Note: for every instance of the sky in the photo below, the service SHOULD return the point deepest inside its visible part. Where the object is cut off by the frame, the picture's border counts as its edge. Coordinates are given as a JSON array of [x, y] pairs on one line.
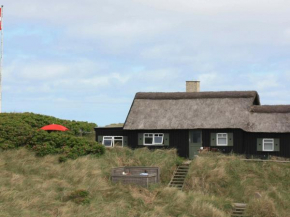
[[85, 60]]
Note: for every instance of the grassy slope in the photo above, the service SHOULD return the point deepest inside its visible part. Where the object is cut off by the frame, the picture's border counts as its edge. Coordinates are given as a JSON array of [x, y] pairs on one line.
[[34, 186], [230, 178], [40, 186]]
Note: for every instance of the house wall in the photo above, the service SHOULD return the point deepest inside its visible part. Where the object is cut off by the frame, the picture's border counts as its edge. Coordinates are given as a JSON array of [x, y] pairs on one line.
[[244, 142], [237, 135], [177, 138], [250, 144], [109, 131]]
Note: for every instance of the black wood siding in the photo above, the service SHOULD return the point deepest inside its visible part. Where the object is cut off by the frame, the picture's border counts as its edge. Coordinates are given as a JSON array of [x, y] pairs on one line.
[[237, 135], [250, 143], [244, 142], [177, 139], [109, 131]]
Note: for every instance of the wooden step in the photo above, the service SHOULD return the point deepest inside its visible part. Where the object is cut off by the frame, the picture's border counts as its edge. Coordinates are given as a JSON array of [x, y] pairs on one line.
[[240, 205], [239, 210], [179, 176]]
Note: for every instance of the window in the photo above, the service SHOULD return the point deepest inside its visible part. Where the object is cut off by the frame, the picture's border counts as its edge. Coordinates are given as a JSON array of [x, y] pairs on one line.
[[108, 141], [196, 137], [268, 144], [112, 141], [153, 138], [118, 141], [222, 139]]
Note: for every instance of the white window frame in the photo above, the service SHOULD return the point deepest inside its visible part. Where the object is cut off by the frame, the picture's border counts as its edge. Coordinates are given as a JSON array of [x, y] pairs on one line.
[[217, 139], [113, 140], [146, 135], [273, 144]]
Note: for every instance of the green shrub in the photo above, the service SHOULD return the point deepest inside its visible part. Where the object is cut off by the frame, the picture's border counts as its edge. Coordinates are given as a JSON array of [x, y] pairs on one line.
[[23, 129], [62, 159], [79, 197], [6, 145]]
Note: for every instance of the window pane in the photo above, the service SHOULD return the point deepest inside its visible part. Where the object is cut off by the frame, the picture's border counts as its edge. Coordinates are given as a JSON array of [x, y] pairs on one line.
[[222, 135], [158, 139], [118, 143], [118, 138], [222, 141], [268, 146], [148, 140], [196, 137], [108, 137], [107, 142]]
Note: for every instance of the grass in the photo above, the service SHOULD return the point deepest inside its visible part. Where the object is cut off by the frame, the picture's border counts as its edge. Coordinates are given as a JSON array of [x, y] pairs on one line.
[[263, 185], [41, 186]]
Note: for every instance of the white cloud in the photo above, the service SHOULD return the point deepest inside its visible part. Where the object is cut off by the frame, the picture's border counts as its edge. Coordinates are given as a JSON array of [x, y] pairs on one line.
[[264, 81], [74, 53]]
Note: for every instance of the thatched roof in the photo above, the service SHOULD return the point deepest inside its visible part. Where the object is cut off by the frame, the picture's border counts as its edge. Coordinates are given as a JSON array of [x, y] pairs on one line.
[[206, 110], [271, 109], [200, 95]]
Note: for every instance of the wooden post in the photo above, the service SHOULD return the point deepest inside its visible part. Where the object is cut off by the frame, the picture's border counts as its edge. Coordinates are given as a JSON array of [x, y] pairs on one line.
[[1, 59]]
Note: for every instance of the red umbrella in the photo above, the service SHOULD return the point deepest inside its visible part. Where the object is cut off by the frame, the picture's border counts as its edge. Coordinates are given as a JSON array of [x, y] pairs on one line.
[[52, 127]]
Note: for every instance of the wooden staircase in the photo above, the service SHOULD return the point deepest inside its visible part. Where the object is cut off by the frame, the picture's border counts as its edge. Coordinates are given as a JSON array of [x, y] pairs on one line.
[[239, 210], [179, 176]]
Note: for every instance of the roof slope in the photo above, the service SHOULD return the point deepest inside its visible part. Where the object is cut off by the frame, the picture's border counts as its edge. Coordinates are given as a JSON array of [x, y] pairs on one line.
[[270, 118], [229, 109]]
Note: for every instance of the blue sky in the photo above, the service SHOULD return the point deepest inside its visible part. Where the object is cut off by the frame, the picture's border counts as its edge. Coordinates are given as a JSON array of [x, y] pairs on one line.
[[86, 60]]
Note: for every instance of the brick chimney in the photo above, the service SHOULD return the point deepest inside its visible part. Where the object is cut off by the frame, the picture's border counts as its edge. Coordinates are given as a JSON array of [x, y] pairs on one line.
[[192, 86]]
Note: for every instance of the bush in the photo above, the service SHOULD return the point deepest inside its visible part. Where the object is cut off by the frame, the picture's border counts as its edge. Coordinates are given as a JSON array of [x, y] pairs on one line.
[[59, 143], [62, 159], [79, 197], [22, 129]]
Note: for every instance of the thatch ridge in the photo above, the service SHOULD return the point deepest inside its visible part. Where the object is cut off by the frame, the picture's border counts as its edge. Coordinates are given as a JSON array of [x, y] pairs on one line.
[[196, 95], [270, 109]]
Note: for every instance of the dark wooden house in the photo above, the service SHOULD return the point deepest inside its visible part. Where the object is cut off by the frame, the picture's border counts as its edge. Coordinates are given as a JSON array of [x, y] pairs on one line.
[[231, 121]]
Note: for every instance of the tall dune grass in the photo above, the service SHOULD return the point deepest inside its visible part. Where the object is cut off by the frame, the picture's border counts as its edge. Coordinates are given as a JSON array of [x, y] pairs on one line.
[[264, 186], [41, 186], [34, 186]]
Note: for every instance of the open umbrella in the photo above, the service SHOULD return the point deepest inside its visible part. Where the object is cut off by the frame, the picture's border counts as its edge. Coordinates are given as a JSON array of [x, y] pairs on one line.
[[53, 127]]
